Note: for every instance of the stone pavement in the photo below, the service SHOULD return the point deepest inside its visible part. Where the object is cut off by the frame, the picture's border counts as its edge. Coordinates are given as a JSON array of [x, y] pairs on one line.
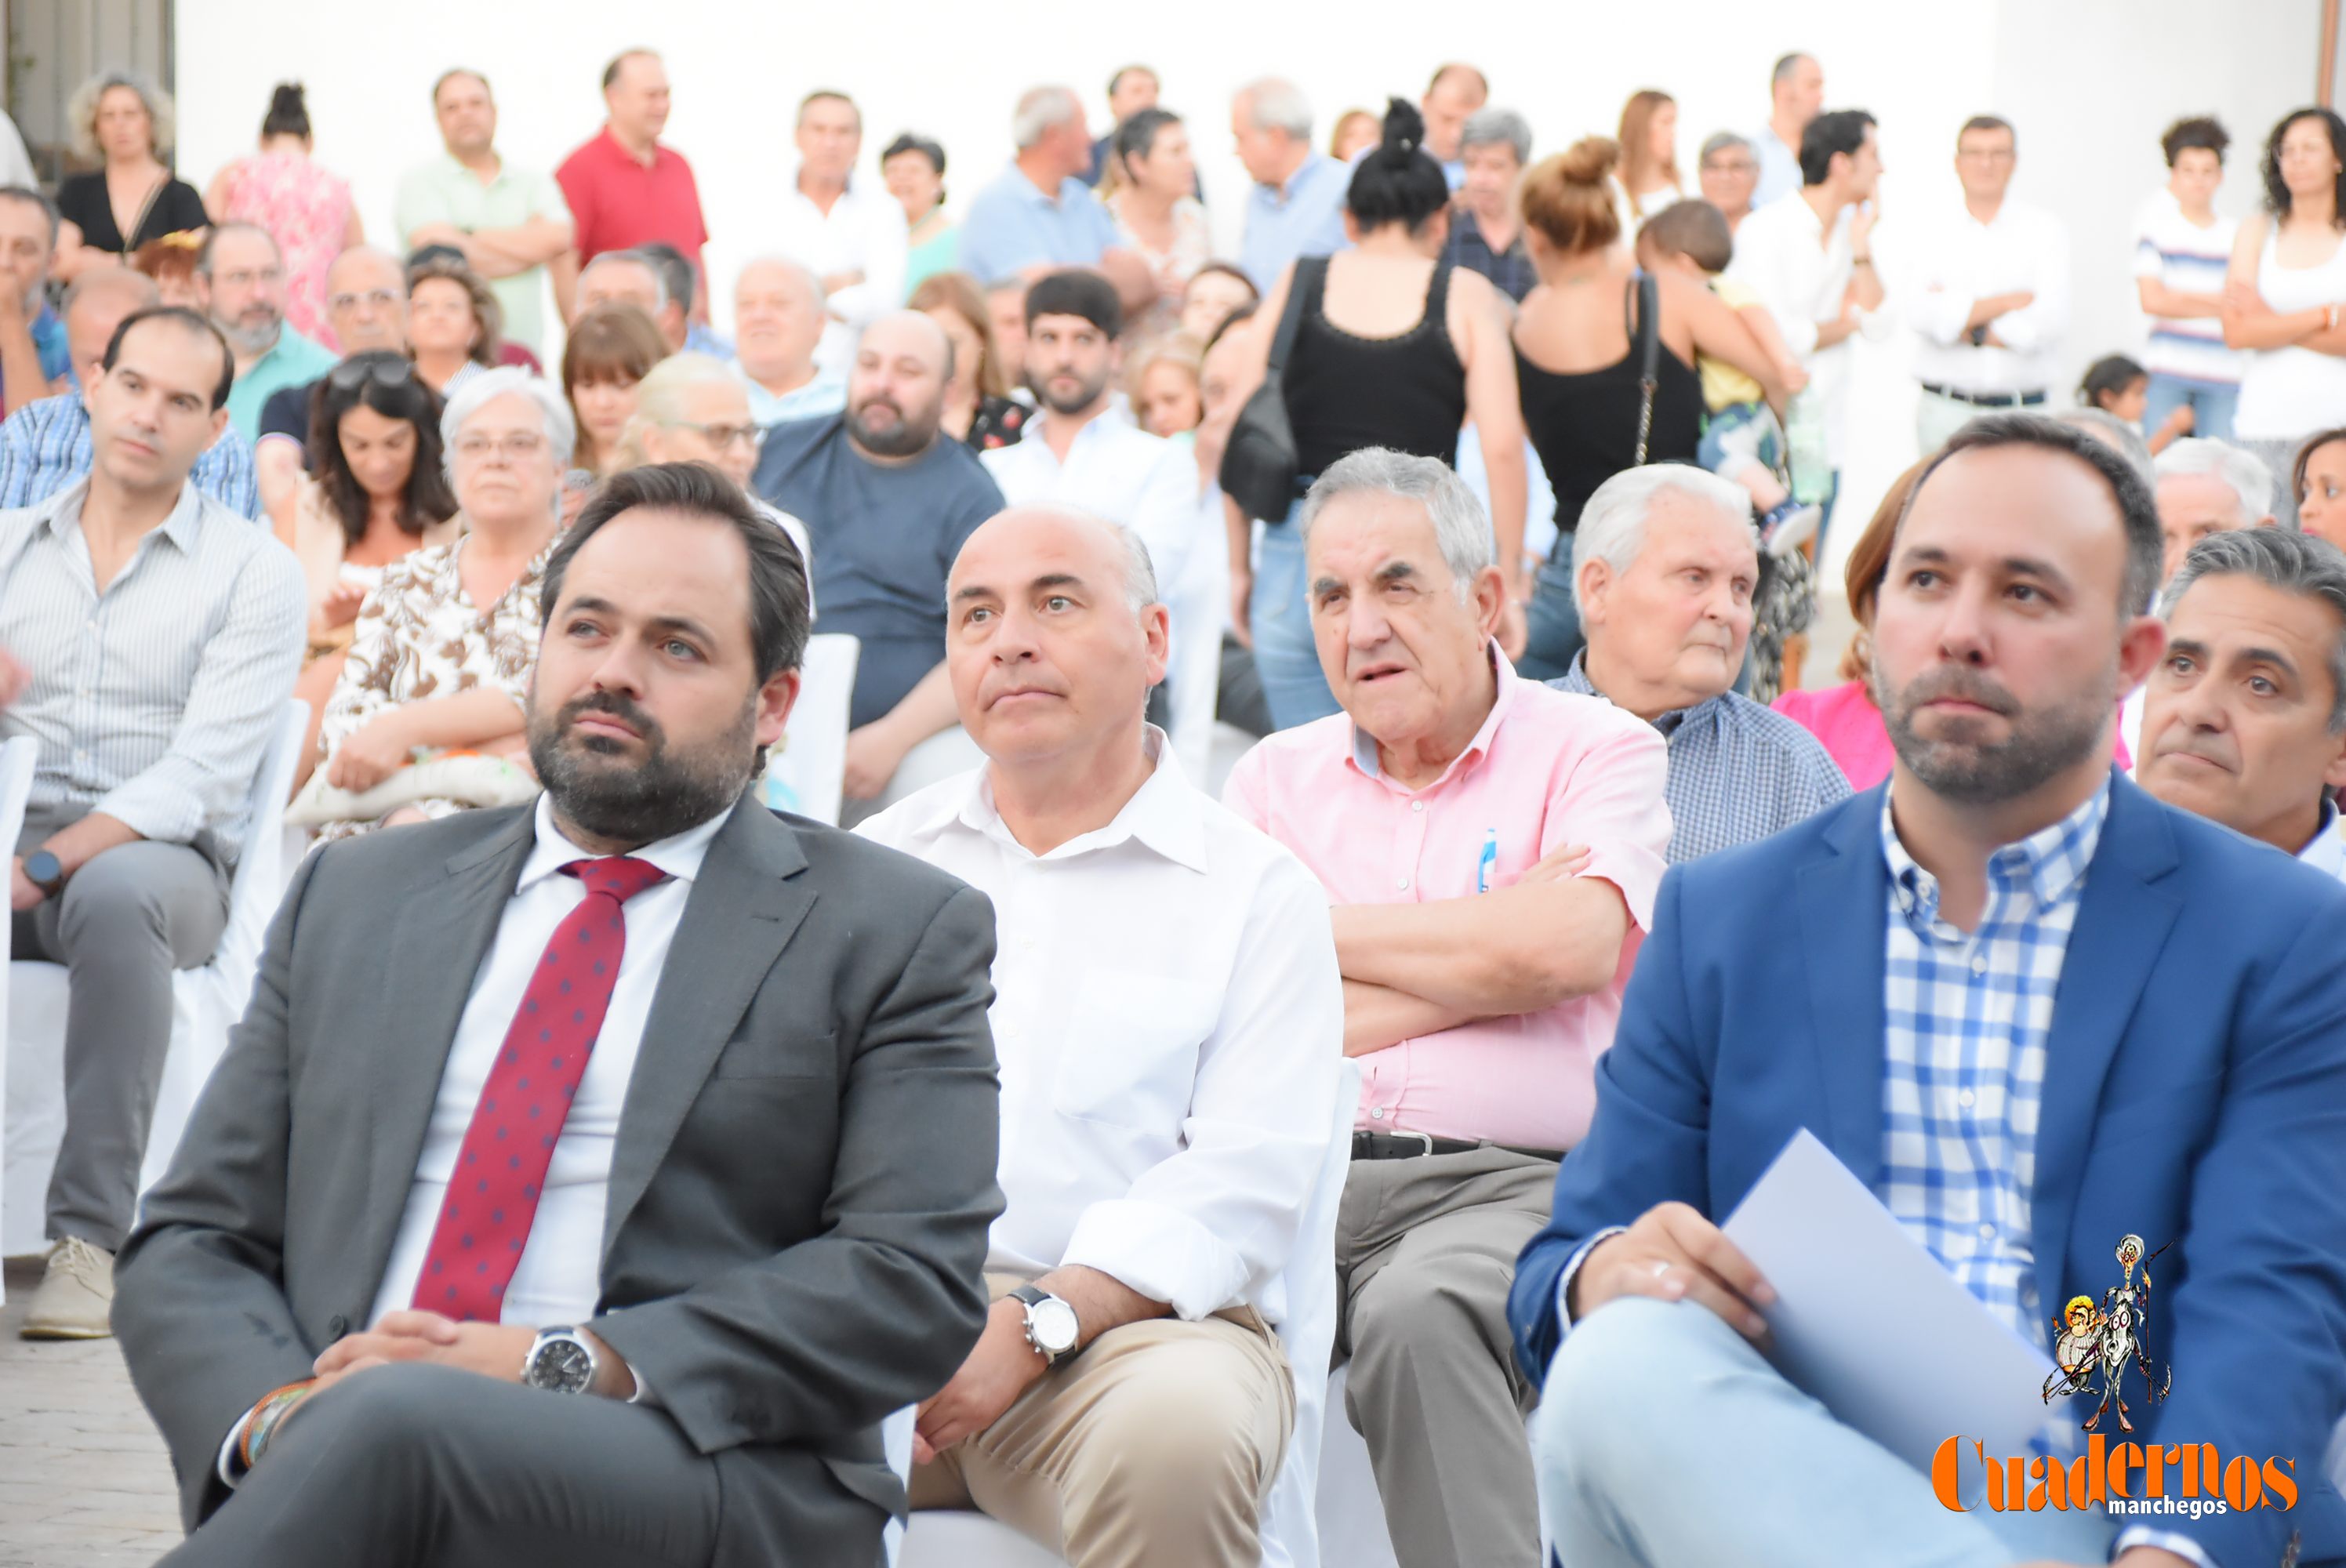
[[83, 1479]]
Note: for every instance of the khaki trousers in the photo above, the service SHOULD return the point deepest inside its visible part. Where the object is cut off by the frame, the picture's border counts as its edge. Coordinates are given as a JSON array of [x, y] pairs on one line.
[[1153, 1448], [1425, 1251]]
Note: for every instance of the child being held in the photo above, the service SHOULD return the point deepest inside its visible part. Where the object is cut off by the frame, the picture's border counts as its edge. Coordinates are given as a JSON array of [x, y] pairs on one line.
[[1741, 439]]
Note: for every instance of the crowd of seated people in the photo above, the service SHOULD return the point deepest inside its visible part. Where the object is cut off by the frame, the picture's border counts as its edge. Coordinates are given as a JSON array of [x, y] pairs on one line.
[[567, 1122]]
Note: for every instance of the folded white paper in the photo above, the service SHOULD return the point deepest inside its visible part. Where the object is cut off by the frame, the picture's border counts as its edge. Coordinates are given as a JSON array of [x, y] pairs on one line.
[[1868, 1322]]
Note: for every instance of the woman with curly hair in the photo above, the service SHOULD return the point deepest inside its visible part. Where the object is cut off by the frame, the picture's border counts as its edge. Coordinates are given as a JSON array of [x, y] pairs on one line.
[[125, 123]]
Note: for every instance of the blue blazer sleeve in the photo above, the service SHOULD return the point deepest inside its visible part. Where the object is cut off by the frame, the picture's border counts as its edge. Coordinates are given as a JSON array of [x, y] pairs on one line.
[[1647, 1142]]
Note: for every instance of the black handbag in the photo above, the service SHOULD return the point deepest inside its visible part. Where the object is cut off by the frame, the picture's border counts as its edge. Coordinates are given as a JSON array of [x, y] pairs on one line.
[[1259, 462], [1649, 355]]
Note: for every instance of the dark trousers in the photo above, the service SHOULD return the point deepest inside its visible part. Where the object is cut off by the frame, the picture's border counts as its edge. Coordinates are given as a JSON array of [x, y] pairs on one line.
[[124, 922], [411, 1465]]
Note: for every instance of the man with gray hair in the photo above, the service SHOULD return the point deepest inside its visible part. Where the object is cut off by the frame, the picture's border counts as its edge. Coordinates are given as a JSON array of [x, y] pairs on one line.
[[1663, 567], [1729, 169], [2245, 716], [625, 278], [2207, 487], [1796, 92], [779, 324], [1297, 206], [241, 278], [33, 358], [1486, 235], [1130, 1402], [1492, 848], [1039, 213]]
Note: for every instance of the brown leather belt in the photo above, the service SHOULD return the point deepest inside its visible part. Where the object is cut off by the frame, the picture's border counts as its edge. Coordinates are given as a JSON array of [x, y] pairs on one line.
[[1416, 1146]]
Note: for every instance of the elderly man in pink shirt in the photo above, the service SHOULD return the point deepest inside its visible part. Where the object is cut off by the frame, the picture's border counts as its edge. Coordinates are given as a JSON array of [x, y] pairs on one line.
[[1491, 850]]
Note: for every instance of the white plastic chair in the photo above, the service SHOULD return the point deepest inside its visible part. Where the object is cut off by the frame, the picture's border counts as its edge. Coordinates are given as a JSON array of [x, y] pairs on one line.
[[205, 1003], [17, 761], [962, 1538], [805, 772]]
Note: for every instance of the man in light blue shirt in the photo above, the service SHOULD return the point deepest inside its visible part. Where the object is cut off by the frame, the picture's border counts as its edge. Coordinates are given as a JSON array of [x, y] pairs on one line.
[[1796, 91], [1039, 213], [1297, 206], [1452, 98], [240, 275]]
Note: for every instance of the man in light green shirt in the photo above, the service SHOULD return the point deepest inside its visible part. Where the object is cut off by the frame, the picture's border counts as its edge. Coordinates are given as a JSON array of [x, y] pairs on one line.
[[508, 222], [241, 278]]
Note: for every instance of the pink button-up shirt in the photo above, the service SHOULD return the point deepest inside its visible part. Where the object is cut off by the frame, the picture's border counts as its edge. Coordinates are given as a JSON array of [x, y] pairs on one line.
[[1545, 769]]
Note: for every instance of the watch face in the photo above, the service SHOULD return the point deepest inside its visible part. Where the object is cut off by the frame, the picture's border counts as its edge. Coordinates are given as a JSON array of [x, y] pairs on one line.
[[1055, 1326], [562, 1366]]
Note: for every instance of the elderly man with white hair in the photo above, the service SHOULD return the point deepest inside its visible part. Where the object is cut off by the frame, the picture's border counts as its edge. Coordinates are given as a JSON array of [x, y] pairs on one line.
[[1039, 213], [779, 324], [442, 652], [2209, 487], [1492, 848], [1664, 566], [625, 278], [1130, 1401], [1297, 206]]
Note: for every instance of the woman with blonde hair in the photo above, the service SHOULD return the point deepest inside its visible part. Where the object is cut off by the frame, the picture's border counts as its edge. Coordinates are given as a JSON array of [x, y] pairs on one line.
[[127, 123], [1649, 178], [1162, 381], [979, 409], [695, 408]]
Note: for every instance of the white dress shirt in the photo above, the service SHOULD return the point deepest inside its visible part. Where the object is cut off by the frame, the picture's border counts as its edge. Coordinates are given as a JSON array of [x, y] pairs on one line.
[[1169, 1021], [1961, 260], [1801, 273], [559, 1278], [2326, 850], [1118, 471], [862, 233]]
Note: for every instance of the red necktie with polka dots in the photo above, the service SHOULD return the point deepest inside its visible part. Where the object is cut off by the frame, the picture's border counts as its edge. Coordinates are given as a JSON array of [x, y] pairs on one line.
[[501, 1167]]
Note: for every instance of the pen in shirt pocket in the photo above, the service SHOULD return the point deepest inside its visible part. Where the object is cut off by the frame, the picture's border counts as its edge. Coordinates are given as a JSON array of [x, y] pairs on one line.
[[1489, 862]]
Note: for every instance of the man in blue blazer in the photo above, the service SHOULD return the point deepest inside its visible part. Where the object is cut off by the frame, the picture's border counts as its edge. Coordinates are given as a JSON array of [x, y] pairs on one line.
[[2035, 1011]]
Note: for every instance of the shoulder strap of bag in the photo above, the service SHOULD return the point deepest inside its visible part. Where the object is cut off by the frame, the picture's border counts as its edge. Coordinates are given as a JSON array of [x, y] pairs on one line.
[[1310, 276], [1649, 355]]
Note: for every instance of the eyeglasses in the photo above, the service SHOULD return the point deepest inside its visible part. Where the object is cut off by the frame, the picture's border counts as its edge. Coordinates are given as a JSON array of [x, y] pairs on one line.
[[721, 436], [374, 299], [1986, 154], [1730, 165], [350, 374], [518, 447], [267, 276]]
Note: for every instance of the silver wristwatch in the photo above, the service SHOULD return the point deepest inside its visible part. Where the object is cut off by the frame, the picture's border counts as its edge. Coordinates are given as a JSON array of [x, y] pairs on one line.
[[1051, 1326], [560, 1361]]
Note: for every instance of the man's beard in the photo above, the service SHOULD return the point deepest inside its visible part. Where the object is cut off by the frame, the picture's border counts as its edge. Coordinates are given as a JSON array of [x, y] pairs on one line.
[[667, 793], [909, 436], [246, 338], [1088, 393], [2041, 745]]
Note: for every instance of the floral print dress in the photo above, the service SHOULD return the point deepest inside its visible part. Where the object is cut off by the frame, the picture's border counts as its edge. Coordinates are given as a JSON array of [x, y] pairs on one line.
[[419, 636]]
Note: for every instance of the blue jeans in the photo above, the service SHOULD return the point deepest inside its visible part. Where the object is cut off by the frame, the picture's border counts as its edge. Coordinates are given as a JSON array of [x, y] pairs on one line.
[[1286, 659], [1642, 1390], [1552, 620], [2211, 404]]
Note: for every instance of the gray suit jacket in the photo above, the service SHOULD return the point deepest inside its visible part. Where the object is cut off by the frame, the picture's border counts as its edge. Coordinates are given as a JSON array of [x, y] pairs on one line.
[[801, 1189]]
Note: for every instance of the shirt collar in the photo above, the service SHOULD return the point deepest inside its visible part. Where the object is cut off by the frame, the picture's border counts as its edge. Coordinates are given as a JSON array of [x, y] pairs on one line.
[[185, 524], [1283, 193], [1364, 745], [1164, 813], [680, 855], [2050, 863], [1576, 679], [2326, 850]]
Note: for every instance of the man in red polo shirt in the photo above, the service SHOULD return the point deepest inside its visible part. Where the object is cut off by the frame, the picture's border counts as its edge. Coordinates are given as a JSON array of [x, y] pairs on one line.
[[623, 187]]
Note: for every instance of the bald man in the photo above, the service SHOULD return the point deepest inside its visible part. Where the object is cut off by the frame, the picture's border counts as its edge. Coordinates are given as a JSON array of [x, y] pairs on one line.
[[45, 445], [1130, 1399], [888, 501], [1452, 97], [778, 322]]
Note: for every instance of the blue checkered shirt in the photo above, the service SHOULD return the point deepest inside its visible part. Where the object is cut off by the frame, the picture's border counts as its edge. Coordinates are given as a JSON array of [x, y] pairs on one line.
[[45, 446], [1966, 1019], [1738, 772]]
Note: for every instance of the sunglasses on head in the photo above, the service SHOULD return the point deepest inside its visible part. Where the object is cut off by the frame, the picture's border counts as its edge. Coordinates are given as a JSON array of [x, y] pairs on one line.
[[351, 374]]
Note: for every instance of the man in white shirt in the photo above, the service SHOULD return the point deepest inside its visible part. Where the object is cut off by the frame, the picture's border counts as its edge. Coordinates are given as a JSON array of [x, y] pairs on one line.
[[579, 1207], [1078, 452], [1170, 1020], [1796, 91], [850, 235], [2245, 716], [1990, 295], [1811, 261], [778, 323]]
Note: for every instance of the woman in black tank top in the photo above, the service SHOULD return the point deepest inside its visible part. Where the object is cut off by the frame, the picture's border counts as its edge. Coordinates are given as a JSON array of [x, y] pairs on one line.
[[1345, 393]]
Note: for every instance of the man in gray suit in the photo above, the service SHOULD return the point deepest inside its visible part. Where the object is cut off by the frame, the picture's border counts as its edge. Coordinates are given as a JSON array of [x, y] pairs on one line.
[[586, 1180]]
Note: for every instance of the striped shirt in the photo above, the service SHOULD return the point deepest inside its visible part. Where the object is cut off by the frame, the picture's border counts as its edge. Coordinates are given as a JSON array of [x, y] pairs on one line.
[[2189, 259], [152, 701], [45, 446], [1967, 1014]]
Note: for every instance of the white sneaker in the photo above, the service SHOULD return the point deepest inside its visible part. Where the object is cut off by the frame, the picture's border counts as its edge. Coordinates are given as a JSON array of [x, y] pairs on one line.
[[1793, 528], [76, 1301]]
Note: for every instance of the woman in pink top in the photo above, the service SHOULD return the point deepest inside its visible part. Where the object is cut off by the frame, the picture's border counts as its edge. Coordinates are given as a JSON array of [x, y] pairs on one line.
[[306, 209], [1844, 718]]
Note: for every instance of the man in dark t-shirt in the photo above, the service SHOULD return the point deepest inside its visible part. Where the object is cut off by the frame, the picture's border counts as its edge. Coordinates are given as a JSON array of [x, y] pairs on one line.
[[887, 501]]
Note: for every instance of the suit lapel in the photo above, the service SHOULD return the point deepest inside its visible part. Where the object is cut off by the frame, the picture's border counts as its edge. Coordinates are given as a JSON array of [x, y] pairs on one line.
[[745, 904], [2123, 921], [1844, 902], [443, 953]]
